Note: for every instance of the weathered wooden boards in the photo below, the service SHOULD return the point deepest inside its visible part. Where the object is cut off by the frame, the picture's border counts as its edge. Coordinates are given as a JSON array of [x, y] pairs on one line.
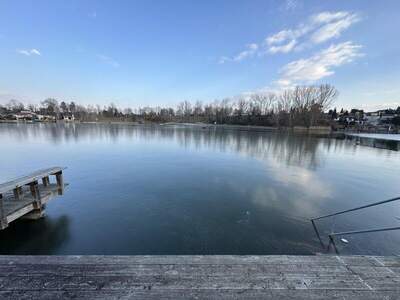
[[36, 176], [200, 277], [25, 194]]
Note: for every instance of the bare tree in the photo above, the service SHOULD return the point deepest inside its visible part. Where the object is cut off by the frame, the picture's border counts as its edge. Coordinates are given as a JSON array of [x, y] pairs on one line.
[[198, 109], [50, 106], [187, 108], [15, 105], [63, 107], [302, 105], [241, 106]]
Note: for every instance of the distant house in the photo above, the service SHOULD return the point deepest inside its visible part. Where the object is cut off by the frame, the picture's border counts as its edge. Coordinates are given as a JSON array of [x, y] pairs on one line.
[[347, 120], [372, 118], [46, 118], [380, 117], [68, 117], [25, 115]]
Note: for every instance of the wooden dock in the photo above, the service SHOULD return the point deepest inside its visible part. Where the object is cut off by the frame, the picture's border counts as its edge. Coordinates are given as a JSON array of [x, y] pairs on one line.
[[26, 196], [199, 277]]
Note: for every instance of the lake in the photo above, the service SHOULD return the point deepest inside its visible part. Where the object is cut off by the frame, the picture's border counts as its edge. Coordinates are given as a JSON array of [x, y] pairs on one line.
[[189, 190]]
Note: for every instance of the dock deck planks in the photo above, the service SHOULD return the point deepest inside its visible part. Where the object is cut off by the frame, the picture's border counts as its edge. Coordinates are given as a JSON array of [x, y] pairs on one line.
[[26, 197], [200, 277], [23, 180], [15, 209]]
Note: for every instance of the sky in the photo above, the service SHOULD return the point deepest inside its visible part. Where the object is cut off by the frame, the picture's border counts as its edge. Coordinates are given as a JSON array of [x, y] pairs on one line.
[[150, 53]]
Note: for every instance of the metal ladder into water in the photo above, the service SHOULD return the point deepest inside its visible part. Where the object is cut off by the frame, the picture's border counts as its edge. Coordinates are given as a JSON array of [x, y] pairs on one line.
[[333, 234]]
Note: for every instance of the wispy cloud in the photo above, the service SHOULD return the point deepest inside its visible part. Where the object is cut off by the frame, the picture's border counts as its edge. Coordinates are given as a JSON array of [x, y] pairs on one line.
[[108, 60], [251, 50], [318, 29], [318, 66], [335, 24], [29, 52], [224, 59], [290, 5], [285, 48]]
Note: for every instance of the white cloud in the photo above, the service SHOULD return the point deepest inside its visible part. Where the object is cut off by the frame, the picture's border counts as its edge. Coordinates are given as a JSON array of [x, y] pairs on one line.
[[29, 52], [326, 17], [283, 83], [319, 65], [35, 51], [24, 52], [224, 59], [279, 37], [251, 50], [333, 29], [108, 60], [287, 35], [291, 5], [319, 28], [283, 48]]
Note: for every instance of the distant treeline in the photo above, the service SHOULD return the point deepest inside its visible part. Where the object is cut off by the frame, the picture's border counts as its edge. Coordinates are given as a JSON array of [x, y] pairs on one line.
[[300, 106]]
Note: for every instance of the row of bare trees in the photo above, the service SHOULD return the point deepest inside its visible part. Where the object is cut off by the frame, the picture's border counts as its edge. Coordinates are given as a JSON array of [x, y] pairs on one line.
[[300, 106]]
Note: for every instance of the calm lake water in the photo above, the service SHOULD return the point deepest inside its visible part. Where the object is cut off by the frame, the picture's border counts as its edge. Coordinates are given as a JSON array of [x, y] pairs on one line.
[[182, 190]]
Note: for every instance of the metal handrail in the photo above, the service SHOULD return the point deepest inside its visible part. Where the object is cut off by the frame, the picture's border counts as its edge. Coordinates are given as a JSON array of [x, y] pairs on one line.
[[332, 234], [356, 208], [363, 231]]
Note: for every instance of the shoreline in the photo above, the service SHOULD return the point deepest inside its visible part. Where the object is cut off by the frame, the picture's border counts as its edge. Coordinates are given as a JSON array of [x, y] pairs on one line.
[[253, 128], [325, 129]]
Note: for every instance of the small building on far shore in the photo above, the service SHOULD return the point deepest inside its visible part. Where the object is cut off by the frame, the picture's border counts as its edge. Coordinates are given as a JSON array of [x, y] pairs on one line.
[[67, 117], [26, 115], [46, 118]]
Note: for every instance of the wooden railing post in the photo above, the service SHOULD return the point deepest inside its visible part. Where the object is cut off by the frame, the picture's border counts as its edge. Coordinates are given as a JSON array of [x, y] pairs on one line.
[[18, 194], [59, 178], [17, 200], [34, 187], [60, 182], [46, 181], [3, 217]]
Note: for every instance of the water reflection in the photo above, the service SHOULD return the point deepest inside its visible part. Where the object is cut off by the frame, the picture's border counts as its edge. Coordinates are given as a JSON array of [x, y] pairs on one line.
[[376, 142], [189, 190], [301, 152], [293, 149], [43, 236]]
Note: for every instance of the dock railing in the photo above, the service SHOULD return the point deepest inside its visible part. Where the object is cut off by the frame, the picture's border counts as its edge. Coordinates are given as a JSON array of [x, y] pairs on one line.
[[332, 234], [17, 200]]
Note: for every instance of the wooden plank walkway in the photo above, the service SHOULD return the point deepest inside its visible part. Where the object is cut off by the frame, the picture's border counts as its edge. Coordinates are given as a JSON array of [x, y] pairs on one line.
[[25, 197], [24, 180], [199, 277]]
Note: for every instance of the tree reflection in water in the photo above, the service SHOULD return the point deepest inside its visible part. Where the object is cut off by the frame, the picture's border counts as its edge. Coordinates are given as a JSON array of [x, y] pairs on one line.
[[194, 190]]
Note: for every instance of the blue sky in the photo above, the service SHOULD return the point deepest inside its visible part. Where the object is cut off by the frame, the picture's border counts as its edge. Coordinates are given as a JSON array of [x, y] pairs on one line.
[[137, 53]]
